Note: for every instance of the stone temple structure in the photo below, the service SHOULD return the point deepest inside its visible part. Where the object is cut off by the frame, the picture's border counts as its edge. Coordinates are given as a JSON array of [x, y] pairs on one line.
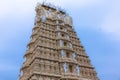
[[54, 51]]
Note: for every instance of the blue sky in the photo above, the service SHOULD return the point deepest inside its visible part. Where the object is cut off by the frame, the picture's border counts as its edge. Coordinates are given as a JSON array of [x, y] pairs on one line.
[[97, 23]]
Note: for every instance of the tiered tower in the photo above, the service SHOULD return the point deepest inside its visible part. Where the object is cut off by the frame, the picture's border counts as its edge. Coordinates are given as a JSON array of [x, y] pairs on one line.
[[55, 51]]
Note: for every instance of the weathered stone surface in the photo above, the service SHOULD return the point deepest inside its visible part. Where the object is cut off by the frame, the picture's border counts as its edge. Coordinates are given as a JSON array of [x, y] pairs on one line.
[[54, 51]]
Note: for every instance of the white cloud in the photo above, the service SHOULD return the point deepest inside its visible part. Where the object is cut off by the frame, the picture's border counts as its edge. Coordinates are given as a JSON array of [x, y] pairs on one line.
[[23, 6], [111, 23], [19, 8], [14, 6], [12, 11]]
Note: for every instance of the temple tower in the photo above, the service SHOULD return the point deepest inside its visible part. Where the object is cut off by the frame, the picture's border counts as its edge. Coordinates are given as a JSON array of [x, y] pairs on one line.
[[54, 51]]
